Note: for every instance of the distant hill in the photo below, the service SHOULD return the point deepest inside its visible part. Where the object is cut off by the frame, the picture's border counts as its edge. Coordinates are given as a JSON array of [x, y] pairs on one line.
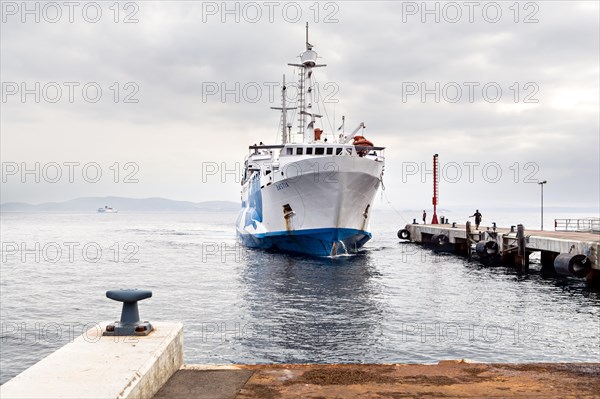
[[91, 204]]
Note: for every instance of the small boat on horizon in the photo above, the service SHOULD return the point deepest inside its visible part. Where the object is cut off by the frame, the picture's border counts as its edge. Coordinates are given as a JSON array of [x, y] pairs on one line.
[[107, 209]]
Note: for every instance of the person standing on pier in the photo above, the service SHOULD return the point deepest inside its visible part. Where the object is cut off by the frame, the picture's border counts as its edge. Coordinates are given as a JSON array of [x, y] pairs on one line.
[[424, 216], [477, 216]]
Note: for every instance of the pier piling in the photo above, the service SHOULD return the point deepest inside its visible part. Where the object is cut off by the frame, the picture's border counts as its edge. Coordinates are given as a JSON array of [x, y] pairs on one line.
[[522, 259], [468, 231]]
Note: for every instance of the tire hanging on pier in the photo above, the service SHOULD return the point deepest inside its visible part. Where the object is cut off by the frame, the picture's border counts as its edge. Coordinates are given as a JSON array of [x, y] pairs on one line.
[[404, 234], [440, 240], [487, 248], [577, 265]]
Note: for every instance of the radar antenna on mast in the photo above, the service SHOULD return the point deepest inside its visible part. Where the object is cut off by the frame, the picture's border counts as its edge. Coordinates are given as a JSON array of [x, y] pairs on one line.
[[308, 45], [308, 61]]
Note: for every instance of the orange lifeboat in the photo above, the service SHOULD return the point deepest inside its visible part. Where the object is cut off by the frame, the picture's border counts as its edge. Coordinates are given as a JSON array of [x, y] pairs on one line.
[[361, 141]]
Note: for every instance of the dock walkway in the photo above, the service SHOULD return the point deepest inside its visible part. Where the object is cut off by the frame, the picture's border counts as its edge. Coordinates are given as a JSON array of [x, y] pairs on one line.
[[460, 231], [568, 252], [448, 379]]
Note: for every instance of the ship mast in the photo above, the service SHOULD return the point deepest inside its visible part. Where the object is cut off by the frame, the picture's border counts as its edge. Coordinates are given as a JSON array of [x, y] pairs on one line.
[[305, 90], [283, 110]]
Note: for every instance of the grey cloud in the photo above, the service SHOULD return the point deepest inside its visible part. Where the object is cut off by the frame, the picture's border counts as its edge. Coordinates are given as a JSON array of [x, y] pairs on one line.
[[171, 54]]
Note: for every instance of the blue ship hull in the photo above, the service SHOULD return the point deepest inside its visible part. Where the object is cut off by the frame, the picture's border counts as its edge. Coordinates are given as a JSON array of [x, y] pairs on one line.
[[315, 242]]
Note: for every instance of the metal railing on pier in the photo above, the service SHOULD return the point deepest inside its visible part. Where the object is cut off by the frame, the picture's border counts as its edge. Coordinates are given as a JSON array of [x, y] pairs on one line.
[[588, 224]]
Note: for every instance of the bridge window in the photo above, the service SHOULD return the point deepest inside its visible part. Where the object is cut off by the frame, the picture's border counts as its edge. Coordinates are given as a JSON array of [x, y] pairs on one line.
[[309, 151], [338, 151], [299, 151], [319, 151], [329, 151]]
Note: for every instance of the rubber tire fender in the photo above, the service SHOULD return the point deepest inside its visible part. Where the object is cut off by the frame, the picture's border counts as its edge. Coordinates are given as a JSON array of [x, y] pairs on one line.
[[404, 234]]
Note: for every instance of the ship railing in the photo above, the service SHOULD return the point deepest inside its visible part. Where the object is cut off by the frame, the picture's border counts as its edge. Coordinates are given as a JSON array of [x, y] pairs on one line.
[[336, 149]]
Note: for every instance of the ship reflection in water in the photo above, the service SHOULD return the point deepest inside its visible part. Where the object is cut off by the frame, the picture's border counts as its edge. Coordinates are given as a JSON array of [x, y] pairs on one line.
[[311, 307]]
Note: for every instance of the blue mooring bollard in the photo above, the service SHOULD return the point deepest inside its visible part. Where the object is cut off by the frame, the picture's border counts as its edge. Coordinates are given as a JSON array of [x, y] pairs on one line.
[[130, 323]]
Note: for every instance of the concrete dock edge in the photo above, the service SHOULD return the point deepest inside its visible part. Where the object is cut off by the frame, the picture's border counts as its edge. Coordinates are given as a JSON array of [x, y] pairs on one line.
[[94, 366]]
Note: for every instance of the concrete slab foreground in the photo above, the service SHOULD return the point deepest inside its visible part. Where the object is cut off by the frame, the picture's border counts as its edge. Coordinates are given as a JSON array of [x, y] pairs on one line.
[[93, 366], [207, 384], [448, 379]]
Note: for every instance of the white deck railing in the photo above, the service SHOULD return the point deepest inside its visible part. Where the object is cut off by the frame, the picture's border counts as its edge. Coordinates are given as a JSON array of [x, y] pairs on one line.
[[588, 224]]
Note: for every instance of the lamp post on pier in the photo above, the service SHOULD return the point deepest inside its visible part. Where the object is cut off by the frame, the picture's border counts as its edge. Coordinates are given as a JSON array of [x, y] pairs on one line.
[[541, 183]]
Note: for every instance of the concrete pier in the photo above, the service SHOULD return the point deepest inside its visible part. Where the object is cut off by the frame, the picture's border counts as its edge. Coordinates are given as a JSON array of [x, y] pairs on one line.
[[549, 243], [96, 366], [151, 367]]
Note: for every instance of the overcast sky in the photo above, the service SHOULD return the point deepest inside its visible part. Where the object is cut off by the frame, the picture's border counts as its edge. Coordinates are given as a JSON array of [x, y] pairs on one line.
[[174, 131]]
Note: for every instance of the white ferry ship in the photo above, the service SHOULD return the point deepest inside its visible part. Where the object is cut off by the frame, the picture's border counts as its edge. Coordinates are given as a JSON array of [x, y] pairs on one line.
[[313, 193]]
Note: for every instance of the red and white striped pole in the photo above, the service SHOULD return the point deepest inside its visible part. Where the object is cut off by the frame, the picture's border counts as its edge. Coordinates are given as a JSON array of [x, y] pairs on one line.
[[434, 219]]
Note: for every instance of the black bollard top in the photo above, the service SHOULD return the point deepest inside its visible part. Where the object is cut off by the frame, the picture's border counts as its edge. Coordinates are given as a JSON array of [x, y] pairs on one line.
[[128, 295]]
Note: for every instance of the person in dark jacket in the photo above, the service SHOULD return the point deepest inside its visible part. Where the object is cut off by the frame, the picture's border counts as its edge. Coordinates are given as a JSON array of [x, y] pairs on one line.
[[477, 217], [424, 216]]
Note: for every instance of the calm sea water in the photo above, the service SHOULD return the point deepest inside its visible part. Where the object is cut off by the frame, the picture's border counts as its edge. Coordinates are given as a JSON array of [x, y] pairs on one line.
[[393, 303]]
